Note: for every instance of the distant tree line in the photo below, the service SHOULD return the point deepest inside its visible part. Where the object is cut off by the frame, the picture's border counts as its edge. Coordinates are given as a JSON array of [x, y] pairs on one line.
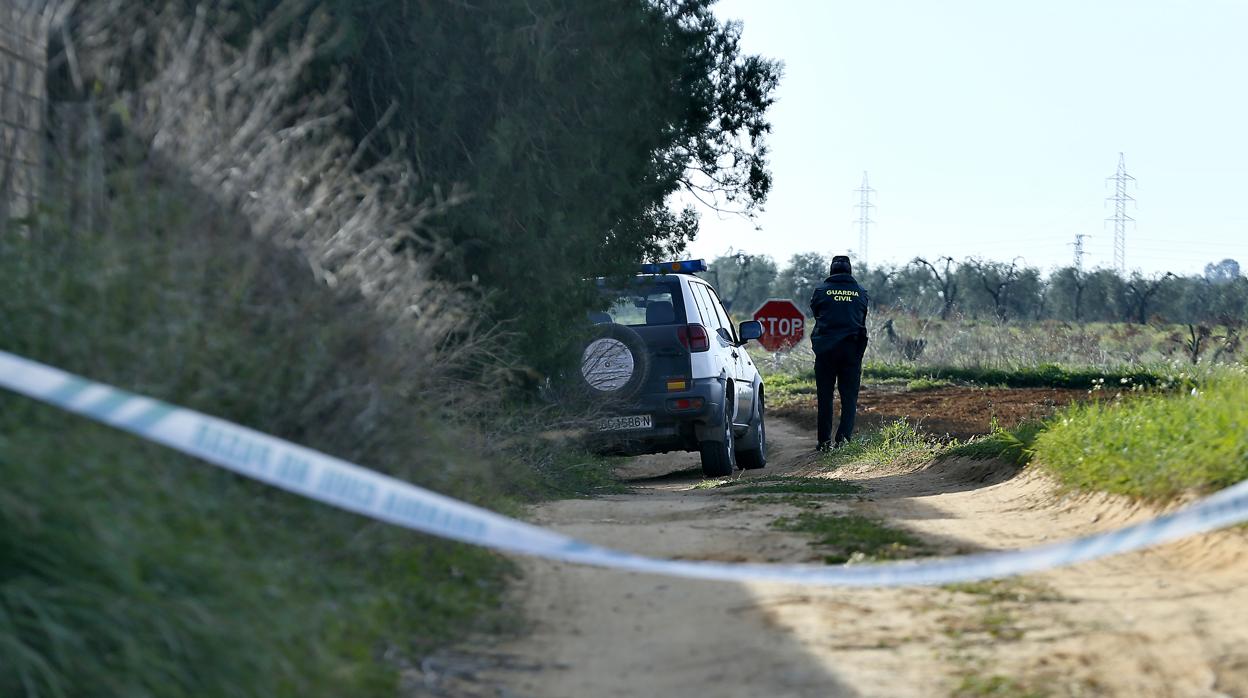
[[980, 289]]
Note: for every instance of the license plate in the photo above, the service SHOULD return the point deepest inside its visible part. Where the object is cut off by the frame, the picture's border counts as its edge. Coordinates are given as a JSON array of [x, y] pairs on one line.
[[630, 423]]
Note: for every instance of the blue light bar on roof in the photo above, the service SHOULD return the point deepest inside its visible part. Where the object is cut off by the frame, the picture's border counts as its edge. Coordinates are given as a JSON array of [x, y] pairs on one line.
[[688, 266]]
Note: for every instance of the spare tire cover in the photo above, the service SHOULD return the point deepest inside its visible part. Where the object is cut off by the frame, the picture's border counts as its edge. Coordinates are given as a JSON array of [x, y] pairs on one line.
[[614, 362]]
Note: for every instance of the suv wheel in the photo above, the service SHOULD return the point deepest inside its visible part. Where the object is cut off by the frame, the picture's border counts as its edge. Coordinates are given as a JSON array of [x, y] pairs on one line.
[[756, 457], [719, 458]]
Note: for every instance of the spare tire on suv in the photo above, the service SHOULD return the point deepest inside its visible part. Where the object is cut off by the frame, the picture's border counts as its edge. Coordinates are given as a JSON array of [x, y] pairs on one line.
[[614, 363]]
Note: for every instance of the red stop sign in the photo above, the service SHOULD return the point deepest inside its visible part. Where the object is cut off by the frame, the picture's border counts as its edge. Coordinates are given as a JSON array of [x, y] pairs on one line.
[[784, 324]]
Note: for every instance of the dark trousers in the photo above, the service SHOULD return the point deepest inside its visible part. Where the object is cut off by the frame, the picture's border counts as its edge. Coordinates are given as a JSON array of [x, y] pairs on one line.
[[839, 368]]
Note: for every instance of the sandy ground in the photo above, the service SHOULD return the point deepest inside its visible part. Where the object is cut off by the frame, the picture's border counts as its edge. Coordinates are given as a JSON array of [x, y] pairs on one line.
[[1172, 621]]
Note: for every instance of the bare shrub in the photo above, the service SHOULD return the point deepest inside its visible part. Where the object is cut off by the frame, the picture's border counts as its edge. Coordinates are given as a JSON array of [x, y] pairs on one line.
[[911, 348], [1230, 342], [1195, 340]]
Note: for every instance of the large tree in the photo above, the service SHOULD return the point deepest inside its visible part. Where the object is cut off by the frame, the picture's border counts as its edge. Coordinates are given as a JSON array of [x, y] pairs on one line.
[[1067, 287], [1140, 293], [946, 281], [1103, 296], [995, 280], [570, 123]]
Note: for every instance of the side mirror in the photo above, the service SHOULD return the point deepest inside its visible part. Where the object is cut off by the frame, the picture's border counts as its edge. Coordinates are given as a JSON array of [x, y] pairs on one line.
[[750, 329]]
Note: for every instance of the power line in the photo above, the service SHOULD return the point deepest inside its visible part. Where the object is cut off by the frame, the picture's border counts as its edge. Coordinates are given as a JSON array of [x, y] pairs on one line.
[[1120, 217], [864, 218]]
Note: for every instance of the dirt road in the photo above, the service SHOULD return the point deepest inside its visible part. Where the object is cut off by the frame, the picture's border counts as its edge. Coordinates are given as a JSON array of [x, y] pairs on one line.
[[1172, 621]]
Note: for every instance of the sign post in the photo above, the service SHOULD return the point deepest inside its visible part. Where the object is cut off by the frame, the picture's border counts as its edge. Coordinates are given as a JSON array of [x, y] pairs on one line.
[[784, 324]]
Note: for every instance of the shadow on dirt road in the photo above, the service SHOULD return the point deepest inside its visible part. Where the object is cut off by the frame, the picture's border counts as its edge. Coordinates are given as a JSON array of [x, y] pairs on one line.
[[1147, 624]]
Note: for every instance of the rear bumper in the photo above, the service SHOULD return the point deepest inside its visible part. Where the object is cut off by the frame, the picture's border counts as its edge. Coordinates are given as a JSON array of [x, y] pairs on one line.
[[674, 429]]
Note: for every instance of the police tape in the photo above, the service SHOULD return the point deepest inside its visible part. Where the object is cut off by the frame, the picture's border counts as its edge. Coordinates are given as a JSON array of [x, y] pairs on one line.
[[345, 485]]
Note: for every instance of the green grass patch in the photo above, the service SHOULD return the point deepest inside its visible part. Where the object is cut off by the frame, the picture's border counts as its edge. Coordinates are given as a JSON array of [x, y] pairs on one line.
[[1009, 590], [709, 484], [793, 500], [850, 536], [995, 686], [897, 442], [1153, 446], [791, 383], [784, 389], [1014, 445], [992, 621], [925, 383], [777, 484], [1039, 376]]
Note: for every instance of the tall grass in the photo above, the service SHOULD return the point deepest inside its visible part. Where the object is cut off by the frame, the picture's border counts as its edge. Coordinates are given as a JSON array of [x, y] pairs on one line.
[[131, 571], [126, 569], [1154, 444], [896, 443], [217, 246], [1157, 445], [1015, 445]]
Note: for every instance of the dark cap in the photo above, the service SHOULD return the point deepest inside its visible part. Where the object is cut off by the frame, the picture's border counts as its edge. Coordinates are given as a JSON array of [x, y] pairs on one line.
[[841, 265]]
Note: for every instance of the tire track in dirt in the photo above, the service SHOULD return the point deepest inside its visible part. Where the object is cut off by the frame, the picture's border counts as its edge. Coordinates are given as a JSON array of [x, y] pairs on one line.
[[1164, 622]]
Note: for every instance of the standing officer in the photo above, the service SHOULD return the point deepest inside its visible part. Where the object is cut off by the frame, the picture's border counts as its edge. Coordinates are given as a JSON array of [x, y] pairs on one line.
[[839, 306]]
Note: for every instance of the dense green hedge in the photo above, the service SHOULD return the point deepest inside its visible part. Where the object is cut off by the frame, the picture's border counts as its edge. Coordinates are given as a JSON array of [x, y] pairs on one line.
[[1040, 376]]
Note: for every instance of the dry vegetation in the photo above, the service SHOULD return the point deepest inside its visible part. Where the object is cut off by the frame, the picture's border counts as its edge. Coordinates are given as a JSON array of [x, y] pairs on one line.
[[232, 122], [208, 240], [1019, 346]]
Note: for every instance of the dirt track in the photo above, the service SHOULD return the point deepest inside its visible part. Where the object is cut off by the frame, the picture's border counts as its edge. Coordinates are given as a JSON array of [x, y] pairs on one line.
[[1165, 622]]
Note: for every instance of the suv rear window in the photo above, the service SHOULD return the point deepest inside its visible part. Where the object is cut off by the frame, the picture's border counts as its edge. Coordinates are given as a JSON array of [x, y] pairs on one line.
[[647, 303]]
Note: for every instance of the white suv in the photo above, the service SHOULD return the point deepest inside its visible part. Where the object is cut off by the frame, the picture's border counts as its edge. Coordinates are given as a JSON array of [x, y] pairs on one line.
[[670, 371]]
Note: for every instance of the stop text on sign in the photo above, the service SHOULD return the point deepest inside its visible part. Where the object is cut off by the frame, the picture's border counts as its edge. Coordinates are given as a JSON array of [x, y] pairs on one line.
[[783, 326], [783, 323]]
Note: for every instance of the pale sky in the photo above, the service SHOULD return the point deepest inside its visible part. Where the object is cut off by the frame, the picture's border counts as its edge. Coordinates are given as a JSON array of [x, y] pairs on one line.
[[989, 127]]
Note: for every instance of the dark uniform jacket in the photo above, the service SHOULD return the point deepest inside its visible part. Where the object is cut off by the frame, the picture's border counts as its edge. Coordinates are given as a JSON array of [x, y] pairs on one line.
[[839, 306]]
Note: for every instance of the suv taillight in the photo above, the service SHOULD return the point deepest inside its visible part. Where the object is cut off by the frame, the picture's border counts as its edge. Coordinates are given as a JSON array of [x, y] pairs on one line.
[[694, 337]]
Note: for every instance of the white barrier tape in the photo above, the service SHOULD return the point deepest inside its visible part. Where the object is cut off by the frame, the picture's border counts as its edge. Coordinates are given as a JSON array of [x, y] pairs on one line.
[[348, 486]]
